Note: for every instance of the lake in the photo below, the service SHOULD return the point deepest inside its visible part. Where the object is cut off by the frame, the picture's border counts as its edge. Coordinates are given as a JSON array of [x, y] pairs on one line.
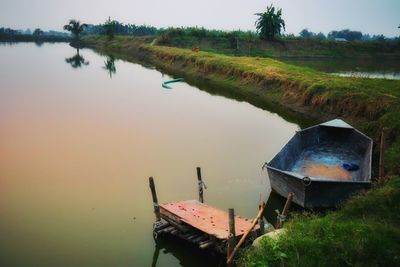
[[81, 133]]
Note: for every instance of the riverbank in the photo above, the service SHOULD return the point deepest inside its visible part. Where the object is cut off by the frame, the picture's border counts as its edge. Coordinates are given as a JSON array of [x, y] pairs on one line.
[[369, 104], [364, 232]]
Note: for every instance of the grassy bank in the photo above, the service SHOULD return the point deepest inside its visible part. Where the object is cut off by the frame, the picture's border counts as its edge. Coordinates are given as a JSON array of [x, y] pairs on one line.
[[369, 104], [365, 232]]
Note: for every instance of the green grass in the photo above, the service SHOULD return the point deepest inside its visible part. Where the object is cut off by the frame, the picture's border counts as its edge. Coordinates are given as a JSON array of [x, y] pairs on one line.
[[364, 232]]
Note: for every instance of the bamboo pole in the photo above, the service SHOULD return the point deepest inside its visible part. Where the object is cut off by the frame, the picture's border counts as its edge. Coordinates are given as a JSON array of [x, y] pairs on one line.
[[382, 154], [285, 209], [241, 241], [155, 200]]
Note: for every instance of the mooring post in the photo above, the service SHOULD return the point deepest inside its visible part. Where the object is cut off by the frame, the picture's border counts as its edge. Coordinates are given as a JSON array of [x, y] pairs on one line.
[[261, 221], [155, 201], [232, 234], [200, 184], [245, 235], [282, 216], [382, 154]]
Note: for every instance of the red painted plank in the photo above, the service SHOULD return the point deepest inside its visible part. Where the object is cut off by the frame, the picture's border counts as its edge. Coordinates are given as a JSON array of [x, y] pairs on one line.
[[208, 219]]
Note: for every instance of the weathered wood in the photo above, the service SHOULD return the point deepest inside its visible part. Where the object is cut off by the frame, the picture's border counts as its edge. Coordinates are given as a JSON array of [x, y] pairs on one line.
[[232, 234], [285, 211], [241, 241], [166, 230], [200, 239], [204, 218], [192, 237], [161, 226], [174, 232], [200, 184], [382, 154], [206, 244], [155, 200]]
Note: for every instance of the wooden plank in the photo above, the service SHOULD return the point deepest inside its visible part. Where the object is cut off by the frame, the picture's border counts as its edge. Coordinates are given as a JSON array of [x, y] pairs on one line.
[[205, 218]]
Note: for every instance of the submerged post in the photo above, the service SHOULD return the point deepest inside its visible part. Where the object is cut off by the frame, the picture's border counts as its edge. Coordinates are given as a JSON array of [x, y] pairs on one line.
[[200, 184], [282, 216], [232, 234], [382, 154], [155, 201]]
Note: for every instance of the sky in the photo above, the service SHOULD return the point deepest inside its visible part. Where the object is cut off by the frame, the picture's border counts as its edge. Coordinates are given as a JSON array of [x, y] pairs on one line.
[[368, 16]]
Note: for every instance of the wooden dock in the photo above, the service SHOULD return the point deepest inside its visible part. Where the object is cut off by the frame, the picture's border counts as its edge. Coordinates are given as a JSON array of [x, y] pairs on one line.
[[207, 219], [205, 226]]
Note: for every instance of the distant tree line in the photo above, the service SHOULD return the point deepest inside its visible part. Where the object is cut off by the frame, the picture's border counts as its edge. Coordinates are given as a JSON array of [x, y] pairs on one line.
[[113, 27], [12, 32], [346, 34]]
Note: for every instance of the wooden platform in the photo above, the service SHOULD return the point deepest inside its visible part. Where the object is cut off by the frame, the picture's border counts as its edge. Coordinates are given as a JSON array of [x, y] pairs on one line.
[[206, 219]]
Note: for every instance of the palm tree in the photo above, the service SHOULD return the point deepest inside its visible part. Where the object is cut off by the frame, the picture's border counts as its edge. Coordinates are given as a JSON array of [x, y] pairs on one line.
[[77, 61], [75, 27], [270, 23]]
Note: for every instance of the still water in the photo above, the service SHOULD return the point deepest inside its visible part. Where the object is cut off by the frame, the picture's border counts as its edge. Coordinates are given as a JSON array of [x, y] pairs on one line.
[[374, 68], [81, 133]]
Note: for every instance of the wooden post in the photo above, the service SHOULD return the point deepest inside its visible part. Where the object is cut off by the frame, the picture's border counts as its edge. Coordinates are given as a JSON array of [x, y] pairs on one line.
[[246, 234], [232, 234], [285, 211], [155, 201], [200, 183], [382, 154], [261, 222]]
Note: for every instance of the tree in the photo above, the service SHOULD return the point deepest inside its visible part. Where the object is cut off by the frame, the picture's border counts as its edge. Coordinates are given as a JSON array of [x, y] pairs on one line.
[[305, 33], [270, 23], [346, 34], [75, 27], [37, 32], [109, 27]]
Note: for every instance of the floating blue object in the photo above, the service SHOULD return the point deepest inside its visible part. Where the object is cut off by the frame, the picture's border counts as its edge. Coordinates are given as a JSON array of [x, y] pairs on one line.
[[350, 166], [164, 84]]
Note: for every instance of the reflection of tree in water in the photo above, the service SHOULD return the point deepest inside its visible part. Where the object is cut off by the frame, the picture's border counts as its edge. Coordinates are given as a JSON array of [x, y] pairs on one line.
[[109, 65], [38, 43], [77, 60]]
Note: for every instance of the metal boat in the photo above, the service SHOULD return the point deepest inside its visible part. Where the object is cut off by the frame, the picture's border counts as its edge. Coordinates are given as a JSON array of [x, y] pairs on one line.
[[323, 165]]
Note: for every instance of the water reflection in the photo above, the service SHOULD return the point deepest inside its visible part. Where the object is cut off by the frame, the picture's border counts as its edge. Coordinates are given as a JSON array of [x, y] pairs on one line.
[[172, 245], [109, 65], [38, 43], [77, 61]]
